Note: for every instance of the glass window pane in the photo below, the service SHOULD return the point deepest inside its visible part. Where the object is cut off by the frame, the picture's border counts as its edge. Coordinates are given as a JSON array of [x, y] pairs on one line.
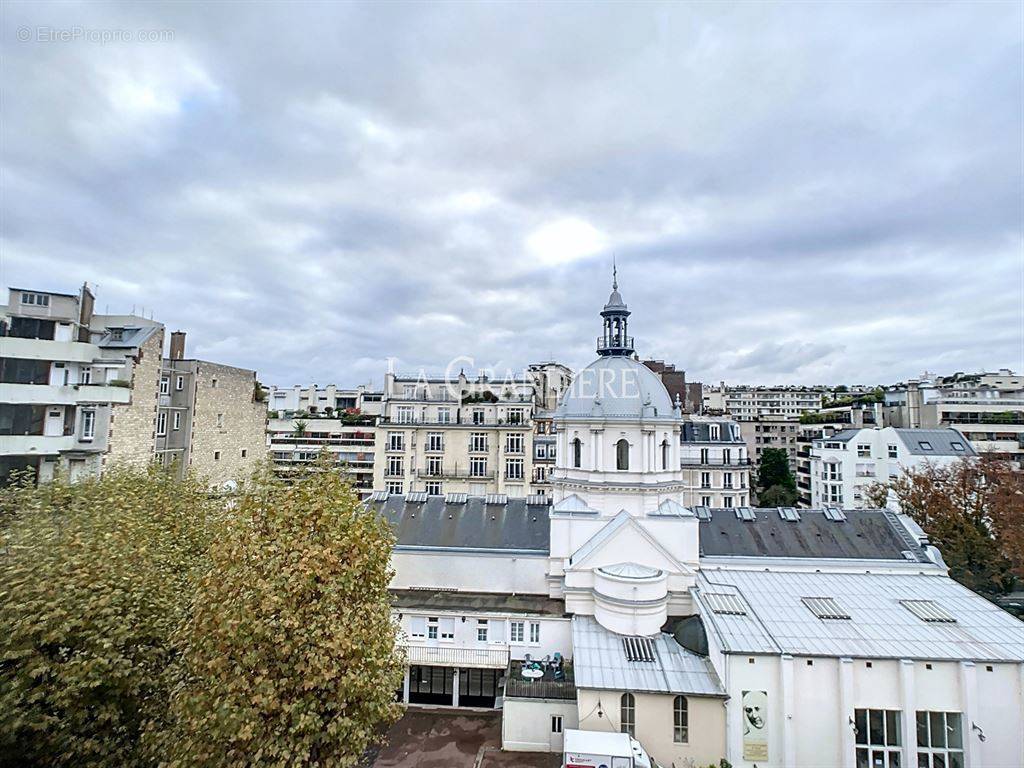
[[922, 760], [876, 730], [894, 759], [893, 737], [922, 729], [954, 732], [938, 728], [862, 758], [938, 760], [956, 760], [861, 722], [877, 759]]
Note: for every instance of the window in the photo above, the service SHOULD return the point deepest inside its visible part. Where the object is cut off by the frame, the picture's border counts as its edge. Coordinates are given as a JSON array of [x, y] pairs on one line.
[[244, 453], [727, 480], [396, 441], [680, 720], [404, 414], [435, 441], [161, 423], [216, 455], [179, 383], [622, 454], [863, 451], [664, 454], [85, 377], [516, 632], [956, 445], [514, 443], [705, 480], [478, 415], [395, 467], [577, 453], [556, 723], [877, 735], [220, 421], [705, 456], [447, 629], [705, 501], [444, 415], [213, 382], [88, 425], [165, 384], [627, 714], [534, 632], [176, 421], [515, 415], [727, 502], [394, 487], [434, 466], [514, 469], [433, 488], [432, 628], [714, 431], [35, 299], [940, 740], [478, 441], [726, 456], [477, 467], [481, 630], [893, 451]]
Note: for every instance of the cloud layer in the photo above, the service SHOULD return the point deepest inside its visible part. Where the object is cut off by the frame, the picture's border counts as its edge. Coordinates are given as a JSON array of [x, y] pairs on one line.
[[794, 193]]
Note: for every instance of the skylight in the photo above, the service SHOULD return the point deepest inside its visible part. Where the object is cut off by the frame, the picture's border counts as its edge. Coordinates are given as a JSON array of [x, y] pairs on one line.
[[730, 605], [638, 649], [957, 445], [789, 514], [746, 514], [925, 445], [825, 608], [928, 610]]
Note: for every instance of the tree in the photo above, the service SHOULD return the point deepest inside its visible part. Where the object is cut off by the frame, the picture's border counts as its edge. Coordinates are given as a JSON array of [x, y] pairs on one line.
[[777, 496], [299, 428], [95, 577], [973, 511], [773, 470], [291, 657]]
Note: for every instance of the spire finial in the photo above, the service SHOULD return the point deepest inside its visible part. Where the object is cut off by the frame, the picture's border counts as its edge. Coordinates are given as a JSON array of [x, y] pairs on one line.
[[615, 275]]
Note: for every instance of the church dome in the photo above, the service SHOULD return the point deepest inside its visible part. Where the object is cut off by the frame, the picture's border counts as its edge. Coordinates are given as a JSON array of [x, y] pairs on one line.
[[616, 388]]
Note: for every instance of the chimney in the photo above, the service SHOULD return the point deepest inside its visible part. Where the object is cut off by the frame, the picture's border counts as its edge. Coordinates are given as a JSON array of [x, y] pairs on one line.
[[178, 345]]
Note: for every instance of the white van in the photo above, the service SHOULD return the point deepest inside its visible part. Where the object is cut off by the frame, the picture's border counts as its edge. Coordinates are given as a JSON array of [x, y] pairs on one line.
[[600, 749]]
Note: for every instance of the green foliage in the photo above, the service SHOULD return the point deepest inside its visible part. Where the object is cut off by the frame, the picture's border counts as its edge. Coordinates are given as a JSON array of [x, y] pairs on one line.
[[94, 580], [290, 655], [299, 428], [119, 383], [777, 496], [773, 469]]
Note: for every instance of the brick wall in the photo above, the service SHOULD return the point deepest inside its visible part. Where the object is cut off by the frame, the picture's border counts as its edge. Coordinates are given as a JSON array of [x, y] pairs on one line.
[[132, 426], [218, 443]]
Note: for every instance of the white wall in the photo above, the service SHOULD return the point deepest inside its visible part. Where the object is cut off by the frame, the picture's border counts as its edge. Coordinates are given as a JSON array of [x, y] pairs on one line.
[[523, 574], [526, 724]]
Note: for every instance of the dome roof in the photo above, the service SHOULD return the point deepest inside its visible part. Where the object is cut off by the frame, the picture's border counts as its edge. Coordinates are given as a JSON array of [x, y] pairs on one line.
[[616, 388], [630, 571], [615, 301]]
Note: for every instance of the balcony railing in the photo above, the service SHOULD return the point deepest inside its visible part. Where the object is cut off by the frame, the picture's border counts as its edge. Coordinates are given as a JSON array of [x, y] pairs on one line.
[[615, 341], [692, 462], [452, 473]]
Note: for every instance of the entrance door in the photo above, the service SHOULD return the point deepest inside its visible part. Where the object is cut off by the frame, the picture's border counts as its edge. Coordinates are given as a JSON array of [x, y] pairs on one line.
[[557, 737], [431, 685], [478, 687]]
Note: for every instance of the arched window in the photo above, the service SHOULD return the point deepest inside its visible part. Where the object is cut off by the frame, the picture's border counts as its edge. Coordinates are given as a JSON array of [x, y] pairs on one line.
[[622, 454], [627, 715], [577, 453], [680, 720], [664, 454]]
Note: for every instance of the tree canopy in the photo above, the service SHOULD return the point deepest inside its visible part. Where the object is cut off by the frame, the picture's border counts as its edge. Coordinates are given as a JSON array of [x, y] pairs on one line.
[[776, 486], [973, 511], [144, 621]]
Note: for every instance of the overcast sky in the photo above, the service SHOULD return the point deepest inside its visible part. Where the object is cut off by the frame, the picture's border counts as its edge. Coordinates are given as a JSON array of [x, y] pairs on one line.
[[794, 193]]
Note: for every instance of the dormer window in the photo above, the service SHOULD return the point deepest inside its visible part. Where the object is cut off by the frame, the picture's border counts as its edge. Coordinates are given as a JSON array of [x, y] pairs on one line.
[[35, 299], [715, 431], [117, 334]]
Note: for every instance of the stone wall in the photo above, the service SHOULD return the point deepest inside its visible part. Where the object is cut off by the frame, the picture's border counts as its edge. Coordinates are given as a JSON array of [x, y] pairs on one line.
[[228, 425], [132, 426]]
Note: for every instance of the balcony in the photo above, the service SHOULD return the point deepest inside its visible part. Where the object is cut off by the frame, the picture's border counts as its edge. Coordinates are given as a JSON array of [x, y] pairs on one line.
[[452, 473], [691, 462], [40, 445], [547, 687], [72, 394]]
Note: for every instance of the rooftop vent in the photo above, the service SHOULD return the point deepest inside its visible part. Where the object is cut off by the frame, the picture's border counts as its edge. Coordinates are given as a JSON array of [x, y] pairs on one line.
[[379, 496], [416, 497], [538, 499], [928, 610], [789, 514], [825, 607], [455, 498], [638, 649], [496, 498], [729, 605], [835, 514]]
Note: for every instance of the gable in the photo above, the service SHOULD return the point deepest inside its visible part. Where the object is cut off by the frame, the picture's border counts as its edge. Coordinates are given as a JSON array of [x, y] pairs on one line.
[[623, 538]]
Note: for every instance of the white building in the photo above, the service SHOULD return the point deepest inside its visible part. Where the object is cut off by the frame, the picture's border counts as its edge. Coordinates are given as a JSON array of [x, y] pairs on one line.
[[323, 402], [767, 637], [744, 403], [715, 462], [845, 463]]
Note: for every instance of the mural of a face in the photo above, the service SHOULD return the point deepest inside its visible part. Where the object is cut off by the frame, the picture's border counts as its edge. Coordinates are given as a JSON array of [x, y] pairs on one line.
[[754, 710]]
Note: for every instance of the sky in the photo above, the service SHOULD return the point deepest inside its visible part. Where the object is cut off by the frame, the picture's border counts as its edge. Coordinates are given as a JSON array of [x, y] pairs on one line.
[[793, 193]]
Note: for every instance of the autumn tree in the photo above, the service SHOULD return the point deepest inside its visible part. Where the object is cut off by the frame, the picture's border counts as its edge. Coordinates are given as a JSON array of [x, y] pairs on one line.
[[95, 578], [775, 484], [973, 511], [291, 650]]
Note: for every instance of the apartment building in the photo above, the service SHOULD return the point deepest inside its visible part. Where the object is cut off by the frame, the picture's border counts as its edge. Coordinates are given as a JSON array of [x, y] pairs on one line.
[[210, 418], [690, 394], [771, 432], [817, 426], [441, 435], [544, 449], [77, 390], [987, 407], [296, 442], [744, 403], [715, 463], [323, 402], [845, 463]]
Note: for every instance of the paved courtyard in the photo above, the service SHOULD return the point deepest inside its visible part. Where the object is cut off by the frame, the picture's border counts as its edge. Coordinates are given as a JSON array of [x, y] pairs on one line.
[[448, 739]]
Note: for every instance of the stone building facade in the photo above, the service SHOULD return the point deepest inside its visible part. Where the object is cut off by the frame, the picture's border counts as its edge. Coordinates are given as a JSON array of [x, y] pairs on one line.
[[131, 431]]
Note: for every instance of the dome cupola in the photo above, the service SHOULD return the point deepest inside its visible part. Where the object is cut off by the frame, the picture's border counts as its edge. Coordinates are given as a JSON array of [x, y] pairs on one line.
[[615, 341]]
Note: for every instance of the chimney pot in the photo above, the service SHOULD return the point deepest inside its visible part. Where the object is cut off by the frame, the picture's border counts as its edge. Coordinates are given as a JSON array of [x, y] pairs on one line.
[[178, 345]]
